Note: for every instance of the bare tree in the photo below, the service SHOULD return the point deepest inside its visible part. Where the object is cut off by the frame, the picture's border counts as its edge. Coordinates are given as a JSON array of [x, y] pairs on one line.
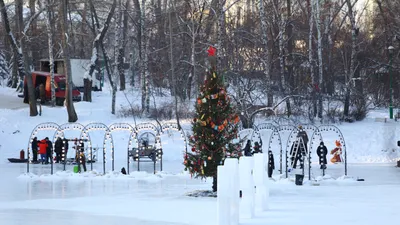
[[319, 50], [50, 34], [72, 116], [99, 33], [144, 60], [121, 49], [20, 61], [311, 11], [266, 59], [171, 48]]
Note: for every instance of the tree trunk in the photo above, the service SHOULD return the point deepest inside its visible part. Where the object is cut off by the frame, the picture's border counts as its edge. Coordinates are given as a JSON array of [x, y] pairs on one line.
[[132, 65], [192, 61], [50, 34], [353, 57], [118, 58], [171, 55], [72, 116], [221, 28], [289, 58], [15, 75], [83, 32], [142, 56], [266, 57], [311, 11], [138, 18], [33, 49], [124, 28], [110, 73], [19, 58], [320, 65], [147, 78], [87, 90]]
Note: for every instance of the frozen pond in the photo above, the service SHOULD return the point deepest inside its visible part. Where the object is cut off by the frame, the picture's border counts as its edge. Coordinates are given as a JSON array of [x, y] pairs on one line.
[[160, 199]]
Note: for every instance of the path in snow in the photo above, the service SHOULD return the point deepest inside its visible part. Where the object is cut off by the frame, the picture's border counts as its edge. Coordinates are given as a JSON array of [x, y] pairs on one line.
[[11, 102]]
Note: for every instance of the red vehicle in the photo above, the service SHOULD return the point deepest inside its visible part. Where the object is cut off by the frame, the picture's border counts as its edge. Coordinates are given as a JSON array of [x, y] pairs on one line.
[[44, 78]]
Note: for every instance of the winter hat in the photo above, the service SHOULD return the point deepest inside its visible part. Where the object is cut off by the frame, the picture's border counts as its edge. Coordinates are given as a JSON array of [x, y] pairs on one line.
[[322, 143]]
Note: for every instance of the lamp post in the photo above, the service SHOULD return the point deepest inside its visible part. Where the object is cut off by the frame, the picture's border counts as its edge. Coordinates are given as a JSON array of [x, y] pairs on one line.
[[390, 49]]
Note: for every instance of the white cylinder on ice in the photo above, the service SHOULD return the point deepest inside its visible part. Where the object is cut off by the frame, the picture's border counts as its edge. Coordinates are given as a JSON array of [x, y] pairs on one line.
[[260, 181], [232, 166], [247, 187], [223, 198]]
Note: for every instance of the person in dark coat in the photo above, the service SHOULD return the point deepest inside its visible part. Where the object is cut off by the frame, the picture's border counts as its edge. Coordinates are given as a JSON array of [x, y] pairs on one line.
[[49, 151], [271, 163], [247, 149], [322, 151], [303, 134], [58, 149], [42, 93], [35, 149]]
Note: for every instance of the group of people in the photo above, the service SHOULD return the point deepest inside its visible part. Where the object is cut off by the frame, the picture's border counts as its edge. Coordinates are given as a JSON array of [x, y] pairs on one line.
[[44, 148]]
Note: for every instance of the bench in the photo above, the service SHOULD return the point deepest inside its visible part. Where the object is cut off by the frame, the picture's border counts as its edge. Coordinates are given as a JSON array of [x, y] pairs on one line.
[[384, 120]]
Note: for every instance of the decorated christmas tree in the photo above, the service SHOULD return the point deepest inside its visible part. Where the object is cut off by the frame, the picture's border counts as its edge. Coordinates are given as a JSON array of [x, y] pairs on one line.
[[214, 127]]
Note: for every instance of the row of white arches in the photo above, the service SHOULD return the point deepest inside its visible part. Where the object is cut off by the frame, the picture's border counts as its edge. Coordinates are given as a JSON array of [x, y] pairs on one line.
[[314, 132], [108, 138]]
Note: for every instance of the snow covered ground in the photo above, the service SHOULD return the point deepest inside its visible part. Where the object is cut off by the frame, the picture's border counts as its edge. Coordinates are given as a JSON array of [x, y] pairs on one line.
[[144, 198]]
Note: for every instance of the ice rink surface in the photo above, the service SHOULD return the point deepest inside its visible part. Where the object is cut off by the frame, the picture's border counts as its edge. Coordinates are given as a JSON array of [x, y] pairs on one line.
[[144, 198]]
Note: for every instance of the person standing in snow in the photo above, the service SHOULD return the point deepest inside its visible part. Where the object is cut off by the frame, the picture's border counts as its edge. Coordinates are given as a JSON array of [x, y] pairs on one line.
[[42, 150], [42, 94], [322, 151], [34, 146], [303, 135], [49, 151], [58, 149], [247, 148]]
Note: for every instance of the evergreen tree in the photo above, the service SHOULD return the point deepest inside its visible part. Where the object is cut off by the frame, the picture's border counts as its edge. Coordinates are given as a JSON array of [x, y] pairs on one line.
[[214, 127]]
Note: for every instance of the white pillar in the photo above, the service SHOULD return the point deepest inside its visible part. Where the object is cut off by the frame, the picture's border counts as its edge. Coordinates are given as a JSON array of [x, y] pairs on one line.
[[247, 187], [232, 167], [260, 181], [223, 203]]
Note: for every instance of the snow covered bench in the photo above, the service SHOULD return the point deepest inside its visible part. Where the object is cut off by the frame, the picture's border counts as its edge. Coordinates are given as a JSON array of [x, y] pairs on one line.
[[379, 119]]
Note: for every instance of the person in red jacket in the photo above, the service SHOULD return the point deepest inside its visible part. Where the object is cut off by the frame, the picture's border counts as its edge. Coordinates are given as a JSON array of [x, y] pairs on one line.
[[42, 150]]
